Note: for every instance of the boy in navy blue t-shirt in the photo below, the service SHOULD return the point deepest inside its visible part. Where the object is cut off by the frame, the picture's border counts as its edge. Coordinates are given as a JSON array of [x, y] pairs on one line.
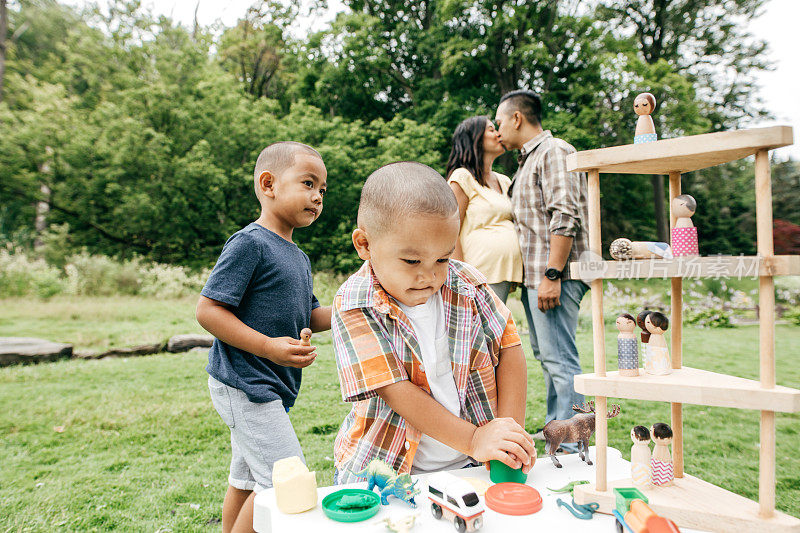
[[256, 301]]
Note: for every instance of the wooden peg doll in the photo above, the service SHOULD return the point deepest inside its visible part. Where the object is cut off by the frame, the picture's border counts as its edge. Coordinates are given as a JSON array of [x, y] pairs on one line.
[[627, 346], [640, 322], [623, 249], [641, 465], [663, 470], [684, 234], [644, 104], [305, 337], [656, 358]]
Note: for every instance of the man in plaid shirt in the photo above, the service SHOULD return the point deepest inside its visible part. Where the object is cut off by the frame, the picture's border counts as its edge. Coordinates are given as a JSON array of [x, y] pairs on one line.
[[427, 353], [550, 213]]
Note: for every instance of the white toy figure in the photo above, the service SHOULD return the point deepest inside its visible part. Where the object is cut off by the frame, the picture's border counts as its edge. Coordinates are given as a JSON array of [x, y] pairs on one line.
[[641, 467], [656, 357], [627, 346]]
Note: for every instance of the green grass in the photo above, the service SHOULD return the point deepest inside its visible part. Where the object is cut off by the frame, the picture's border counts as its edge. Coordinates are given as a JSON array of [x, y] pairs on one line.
[[143, 448], [99, 322]]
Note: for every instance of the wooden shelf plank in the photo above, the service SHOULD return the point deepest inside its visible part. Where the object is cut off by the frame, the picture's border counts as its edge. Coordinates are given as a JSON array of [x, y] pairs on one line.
[[682, 154], [694, 503], [713, 266], [691, 385]]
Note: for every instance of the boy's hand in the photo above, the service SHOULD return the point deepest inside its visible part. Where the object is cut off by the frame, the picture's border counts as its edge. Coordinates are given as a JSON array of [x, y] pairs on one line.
[[504, 440], [287, 351]]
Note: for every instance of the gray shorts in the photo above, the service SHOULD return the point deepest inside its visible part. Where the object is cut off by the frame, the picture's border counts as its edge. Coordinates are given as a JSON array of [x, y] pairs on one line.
[[261, 433]]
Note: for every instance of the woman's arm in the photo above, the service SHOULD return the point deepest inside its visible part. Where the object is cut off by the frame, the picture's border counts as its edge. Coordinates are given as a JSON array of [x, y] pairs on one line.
[[463, 201]]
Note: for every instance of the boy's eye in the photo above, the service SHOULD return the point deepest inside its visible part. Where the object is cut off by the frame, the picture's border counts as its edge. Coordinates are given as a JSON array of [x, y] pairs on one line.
[[445, 260], [411, 261], [323, 192], [308, 183]]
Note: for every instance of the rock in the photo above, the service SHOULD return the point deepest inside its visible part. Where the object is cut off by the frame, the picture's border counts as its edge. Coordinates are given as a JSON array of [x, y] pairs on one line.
[[26, 350], [183, 343], [142, 349]]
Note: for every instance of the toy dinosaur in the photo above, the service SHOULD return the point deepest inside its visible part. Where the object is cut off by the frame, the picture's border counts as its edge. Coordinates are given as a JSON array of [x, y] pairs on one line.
[[378, 473]]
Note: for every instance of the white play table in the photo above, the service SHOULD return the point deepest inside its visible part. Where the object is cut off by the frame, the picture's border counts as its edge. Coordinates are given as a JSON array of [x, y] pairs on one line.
[[544, 474]]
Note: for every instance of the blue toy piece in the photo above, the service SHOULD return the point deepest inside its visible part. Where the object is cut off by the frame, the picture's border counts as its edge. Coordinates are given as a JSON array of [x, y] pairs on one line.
[[582, 511], [378, 473]]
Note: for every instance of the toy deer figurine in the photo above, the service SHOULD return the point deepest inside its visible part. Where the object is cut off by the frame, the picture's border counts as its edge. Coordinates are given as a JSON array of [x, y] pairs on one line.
[[627, 346], [661, 463], [643, 105], [641, 467], [656, 357], [578, 429], [684, 234]]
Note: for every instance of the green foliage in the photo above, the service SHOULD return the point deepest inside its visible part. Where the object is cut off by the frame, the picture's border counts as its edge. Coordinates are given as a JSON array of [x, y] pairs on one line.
[[708, 318], [145, 133]]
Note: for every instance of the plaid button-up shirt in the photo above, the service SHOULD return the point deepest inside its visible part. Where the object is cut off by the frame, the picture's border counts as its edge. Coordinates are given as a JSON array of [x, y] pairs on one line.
[[375, 346], [547, 200]]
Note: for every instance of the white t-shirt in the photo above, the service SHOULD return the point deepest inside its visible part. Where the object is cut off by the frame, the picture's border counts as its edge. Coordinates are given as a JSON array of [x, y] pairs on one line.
[[431, 332]]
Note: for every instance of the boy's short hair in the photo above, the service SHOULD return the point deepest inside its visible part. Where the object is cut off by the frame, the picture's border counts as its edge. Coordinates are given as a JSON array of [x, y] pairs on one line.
[[279, 156], [401, 189], [526, 102]]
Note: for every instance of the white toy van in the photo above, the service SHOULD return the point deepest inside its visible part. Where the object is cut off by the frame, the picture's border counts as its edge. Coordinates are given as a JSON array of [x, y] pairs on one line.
[[455, 499]]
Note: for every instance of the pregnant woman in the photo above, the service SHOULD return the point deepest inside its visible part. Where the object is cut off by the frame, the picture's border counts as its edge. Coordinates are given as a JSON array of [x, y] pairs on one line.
[[488, 240]]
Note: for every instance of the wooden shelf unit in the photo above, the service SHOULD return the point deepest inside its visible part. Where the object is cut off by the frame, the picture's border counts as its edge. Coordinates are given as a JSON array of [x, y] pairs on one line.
[[691, 502], [714, 266]]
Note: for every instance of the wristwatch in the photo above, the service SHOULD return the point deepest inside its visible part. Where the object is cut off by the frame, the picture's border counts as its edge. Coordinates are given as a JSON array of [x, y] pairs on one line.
[[553, 274]]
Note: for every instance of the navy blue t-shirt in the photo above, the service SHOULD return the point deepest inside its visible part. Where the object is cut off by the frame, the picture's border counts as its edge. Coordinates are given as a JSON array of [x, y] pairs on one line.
[[267, 281]]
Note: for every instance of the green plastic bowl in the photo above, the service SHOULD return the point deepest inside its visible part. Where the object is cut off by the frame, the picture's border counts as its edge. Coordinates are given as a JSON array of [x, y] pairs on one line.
[[349, 515], [502, 473]]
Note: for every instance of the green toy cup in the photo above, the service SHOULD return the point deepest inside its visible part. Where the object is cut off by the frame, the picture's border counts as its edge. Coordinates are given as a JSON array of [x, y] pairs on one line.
[[501, 473]]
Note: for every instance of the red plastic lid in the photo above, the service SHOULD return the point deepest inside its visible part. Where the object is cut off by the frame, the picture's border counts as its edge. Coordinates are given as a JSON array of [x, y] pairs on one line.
[[513, 499]]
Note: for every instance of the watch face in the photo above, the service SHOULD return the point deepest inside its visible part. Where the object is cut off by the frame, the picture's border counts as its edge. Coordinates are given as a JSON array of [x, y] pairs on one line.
[[552, 274]]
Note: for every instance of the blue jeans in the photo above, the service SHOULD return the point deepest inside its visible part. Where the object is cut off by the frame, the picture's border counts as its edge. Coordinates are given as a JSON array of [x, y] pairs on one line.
[[552, 335]]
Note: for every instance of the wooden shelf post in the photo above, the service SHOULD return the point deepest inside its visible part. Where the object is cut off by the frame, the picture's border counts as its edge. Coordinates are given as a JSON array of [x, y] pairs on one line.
[[766, 334], [676, 323], [598, 329]]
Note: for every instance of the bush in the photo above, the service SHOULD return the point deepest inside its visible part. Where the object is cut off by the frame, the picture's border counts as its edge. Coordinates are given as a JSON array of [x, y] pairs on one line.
[[23, 276], [708, 318]]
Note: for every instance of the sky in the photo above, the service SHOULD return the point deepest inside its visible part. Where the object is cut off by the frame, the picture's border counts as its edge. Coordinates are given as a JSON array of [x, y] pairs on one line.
[[780, 88]]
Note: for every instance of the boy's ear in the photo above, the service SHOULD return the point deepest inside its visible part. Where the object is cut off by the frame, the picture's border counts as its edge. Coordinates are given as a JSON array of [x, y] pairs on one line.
[[266, 183], [361, 243]]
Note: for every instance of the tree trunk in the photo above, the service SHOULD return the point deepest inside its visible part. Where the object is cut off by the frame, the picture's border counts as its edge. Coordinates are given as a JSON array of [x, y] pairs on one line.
[[3, 34], [43, 205], [660, 209]]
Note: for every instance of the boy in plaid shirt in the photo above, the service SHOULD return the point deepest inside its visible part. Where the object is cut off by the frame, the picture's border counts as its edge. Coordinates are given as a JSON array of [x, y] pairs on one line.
[[427, 353]]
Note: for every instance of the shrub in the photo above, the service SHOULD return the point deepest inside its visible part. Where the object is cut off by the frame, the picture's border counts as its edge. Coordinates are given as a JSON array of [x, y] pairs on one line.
[[23, 276]]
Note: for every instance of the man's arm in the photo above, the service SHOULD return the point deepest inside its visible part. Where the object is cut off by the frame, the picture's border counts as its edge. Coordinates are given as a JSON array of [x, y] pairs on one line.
[[321, 319], [561, 191], [549, 291], [502, 439], [217, 318]]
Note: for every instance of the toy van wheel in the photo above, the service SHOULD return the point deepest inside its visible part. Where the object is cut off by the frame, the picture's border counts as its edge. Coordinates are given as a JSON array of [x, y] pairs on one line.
[[436, 511], [459, 524], [620, 527]]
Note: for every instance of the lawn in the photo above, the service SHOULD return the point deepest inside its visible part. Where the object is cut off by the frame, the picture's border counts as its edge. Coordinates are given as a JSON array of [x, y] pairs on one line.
[[143, 449]]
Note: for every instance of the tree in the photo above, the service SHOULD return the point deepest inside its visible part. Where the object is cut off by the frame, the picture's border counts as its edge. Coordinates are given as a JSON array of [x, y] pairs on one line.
[[255, 48], [702, 40], [3, 35]]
